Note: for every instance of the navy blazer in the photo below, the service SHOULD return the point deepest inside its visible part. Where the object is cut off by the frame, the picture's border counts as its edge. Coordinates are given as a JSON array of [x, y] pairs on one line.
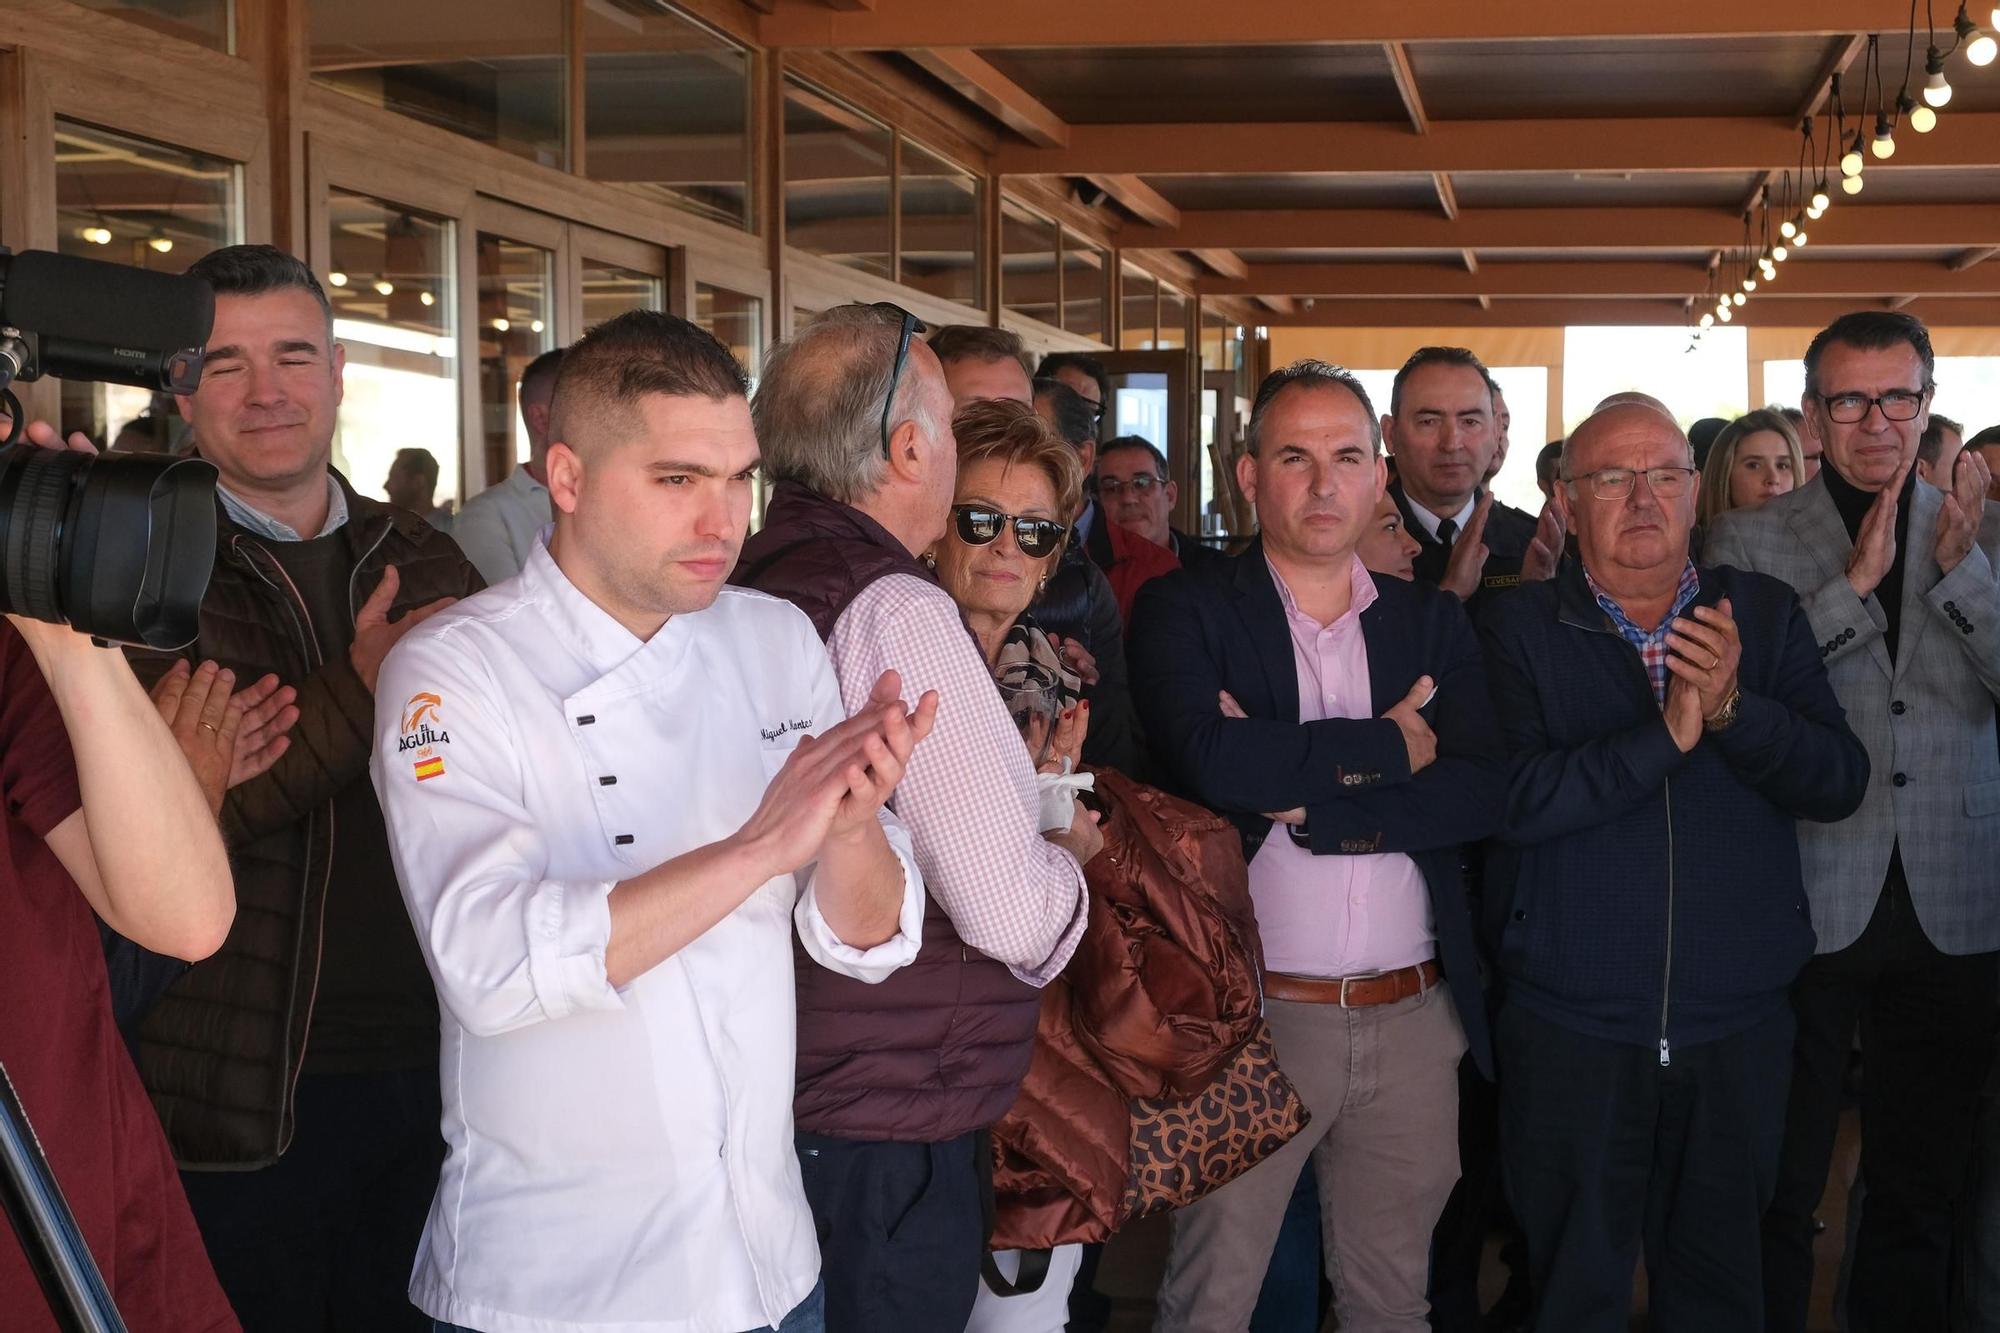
[[1198, 632]]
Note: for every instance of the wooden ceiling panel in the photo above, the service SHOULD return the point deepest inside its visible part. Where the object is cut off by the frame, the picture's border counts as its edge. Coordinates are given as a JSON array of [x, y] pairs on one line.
[[1736, 76], [1097, 85], [1297, 190]]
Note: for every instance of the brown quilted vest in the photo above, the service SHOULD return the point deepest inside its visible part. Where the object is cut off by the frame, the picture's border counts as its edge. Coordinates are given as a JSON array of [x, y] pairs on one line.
[[939, 1048]]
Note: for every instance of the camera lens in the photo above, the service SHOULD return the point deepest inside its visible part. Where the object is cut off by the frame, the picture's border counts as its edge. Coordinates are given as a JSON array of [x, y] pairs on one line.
[[118, 546]]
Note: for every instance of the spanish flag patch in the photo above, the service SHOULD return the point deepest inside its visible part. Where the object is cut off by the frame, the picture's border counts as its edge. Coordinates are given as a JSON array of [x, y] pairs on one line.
[[430, 768]]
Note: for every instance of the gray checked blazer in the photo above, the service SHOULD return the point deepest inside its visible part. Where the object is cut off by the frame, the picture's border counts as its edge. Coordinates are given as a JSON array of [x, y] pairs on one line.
[[1927, 719]]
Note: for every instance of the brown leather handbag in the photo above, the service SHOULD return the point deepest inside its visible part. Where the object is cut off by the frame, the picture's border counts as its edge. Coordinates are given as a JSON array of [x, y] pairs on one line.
[[1186, 1147]]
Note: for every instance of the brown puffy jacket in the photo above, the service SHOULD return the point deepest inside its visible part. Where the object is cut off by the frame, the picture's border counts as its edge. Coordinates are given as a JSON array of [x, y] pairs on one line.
[[1164, 988], [220, 1050]]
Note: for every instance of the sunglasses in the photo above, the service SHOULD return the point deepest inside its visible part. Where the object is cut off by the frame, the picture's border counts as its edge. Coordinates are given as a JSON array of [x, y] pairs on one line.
[[911, 325], [979, 526]]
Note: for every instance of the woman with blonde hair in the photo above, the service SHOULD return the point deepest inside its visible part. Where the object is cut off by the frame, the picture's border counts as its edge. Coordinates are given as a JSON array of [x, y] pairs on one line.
[[1755, 457]]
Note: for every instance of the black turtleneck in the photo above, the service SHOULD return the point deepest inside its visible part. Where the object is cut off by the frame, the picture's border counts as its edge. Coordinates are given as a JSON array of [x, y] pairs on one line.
[[1853, 504]]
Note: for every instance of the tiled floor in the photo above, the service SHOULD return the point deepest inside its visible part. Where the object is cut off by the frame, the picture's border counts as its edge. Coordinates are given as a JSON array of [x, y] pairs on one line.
[[1132, 1263]]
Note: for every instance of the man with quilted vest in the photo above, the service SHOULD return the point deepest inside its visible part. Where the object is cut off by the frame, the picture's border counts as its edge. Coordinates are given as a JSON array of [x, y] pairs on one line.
[[296, 1069], [899, 1082]]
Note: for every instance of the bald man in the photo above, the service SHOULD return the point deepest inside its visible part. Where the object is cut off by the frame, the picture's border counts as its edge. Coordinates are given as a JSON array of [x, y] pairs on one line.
[[1669, 727]]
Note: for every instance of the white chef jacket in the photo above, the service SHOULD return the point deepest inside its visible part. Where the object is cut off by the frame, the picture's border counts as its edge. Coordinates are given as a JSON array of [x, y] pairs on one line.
[[620, 1159]]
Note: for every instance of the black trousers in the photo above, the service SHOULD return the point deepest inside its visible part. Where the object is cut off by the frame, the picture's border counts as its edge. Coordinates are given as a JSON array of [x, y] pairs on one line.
[[1607, 1153], [902, 1230], [1926, 1021], [323, 1241]]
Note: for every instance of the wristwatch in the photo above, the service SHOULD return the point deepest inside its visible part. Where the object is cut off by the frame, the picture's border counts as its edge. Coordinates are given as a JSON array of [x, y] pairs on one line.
[[1724, 715]]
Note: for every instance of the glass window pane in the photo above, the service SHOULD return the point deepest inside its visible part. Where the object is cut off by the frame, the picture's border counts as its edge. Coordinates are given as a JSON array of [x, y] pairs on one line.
[[1173, 318], [1214, 340], [736, 319], [666, 108], [151, 206], [609, 290], [1028, 263], [394, 308], [1084, 266], [1713, 380], [940, 228], [516, 325], [205, 22], [1141, 309], [492, 72], [836, 182]]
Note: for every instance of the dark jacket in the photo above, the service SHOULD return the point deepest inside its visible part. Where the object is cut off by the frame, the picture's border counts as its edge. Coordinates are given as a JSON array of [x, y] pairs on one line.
[[1079, 604], [938, 1049], [221, 1049], [1640, 894], [1199, 632], [1193, 552], [1164, 989], [1508, 533]]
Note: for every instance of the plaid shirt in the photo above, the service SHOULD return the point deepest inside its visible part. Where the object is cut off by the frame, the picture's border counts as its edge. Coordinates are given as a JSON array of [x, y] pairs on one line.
[[968, 796], [1652, 645]]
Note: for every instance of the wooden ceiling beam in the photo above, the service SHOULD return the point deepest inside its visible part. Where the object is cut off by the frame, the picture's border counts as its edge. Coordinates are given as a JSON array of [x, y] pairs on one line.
[[1971, 257], [1447, 197], [978, 82], [1626, 145], [894, 24], [1795, 313], [1485, 229], [1225, 262], [1837, 63], [1406, 85], [1857, 280], [1139, 199], [1281, 305]]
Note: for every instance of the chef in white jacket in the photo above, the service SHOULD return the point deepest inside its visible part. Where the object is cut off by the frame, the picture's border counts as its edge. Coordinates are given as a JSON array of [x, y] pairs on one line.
[[616, 791]]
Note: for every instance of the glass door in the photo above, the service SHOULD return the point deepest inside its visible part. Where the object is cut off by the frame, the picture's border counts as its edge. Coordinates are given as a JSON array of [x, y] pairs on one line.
[[1152, 396]]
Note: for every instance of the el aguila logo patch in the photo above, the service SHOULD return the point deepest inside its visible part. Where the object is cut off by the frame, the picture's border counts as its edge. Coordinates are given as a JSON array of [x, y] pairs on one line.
[[423, 733]]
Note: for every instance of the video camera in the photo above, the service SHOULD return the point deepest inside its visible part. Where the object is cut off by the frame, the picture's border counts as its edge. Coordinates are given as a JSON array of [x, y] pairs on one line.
[[118, 546]]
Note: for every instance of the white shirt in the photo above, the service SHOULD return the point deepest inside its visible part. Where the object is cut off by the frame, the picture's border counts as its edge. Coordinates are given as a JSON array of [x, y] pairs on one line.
[[1431, 521], [619, 1158], [498, 527]]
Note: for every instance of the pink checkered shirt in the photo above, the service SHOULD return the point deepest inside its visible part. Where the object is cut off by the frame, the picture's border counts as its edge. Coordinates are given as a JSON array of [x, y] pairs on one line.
[[968, 796], [1652, 644]]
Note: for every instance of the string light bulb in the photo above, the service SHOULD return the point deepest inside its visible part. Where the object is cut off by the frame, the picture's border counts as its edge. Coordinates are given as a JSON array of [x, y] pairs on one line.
[[1821, 200], [1922, 119], [1707, 320], [1851, 161], [1779, 254], [1749, 284], [536, 326], [1937, 91], [502, 324], [96, 235], [1851, 184], [1737, 298], [385, 287], [1979, 47], [1726, 315], [1788, 229], [426, 298], [1884, 143], [337, 278], [1799, 239]]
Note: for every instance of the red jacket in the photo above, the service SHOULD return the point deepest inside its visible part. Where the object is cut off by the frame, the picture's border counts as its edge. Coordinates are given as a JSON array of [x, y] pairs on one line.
[[1134, 561]]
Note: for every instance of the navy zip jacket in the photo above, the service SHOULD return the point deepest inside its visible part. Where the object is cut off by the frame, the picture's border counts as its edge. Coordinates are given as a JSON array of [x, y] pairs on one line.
[[1639, 894]]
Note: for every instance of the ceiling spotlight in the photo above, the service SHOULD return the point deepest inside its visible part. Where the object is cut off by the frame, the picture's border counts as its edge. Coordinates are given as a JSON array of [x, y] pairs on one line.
[[501, 324], [1726, 314], [337, 278], [1851, 161], [96, 235], [1851, 184], [1821, 200], [1922, 119], [1707, 319], [386, 287], [1936, 90]]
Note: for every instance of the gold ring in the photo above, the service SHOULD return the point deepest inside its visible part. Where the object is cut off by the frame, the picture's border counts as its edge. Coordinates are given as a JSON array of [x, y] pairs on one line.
[[208, 726]]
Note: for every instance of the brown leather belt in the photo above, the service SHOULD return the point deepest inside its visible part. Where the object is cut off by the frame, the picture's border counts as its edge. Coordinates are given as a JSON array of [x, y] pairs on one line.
[[1352, 992]]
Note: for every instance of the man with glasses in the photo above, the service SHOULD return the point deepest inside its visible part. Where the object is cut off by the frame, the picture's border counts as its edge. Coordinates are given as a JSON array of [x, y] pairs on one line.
[[898, 1082], [1898, 581], [1132, 485], [1667, 726]]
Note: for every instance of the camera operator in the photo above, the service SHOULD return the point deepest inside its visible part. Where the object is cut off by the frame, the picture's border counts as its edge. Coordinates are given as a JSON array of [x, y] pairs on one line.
[[296, 1071], [104, 812]]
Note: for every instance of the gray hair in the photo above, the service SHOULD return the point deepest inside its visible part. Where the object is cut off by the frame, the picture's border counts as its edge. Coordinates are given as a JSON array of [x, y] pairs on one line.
[[818, 411], [1310, 373]]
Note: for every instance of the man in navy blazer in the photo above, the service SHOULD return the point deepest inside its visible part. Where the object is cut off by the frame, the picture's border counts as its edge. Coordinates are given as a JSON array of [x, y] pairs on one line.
[[1342, 721]]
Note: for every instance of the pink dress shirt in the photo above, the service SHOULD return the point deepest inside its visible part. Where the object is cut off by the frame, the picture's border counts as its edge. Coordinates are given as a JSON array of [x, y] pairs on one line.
[[1336, 916]]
